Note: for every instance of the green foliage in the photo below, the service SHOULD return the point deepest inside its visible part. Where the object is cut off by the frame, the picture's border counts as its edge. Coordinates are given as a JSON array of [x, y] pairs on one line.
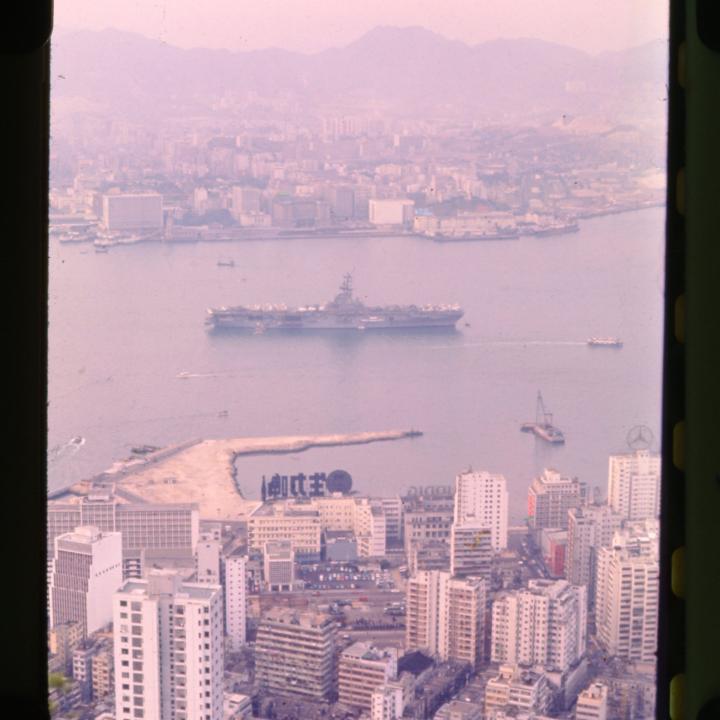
[[56, 681]]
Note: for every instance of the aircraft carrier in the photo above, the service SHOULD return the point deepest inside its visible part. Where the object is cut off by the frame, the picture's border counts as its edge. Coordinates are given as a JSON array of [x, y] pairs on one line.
[[344, 312]]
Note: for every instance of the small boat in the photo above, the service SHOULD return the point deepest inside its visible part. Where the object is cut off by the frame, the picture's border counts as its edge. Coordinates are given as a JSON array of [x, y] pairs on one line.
[[223, 413], [184, 375], [604, 342], [77, 440], [467, 324], [360, 327], [101, 249], [226, 263]]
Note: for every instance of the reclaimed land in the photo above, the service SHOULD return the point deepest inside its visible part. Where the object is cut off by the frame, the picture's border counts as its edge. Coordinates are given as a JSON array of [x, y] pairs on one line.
[[204, 471]]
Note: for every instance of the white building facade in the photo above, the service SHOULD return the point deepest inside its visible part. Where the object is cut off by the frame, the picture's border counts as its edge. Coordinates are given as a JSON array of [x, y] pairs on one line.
[[86, 570], [634, 485], [482, 498], [236, 601], [168, 649]]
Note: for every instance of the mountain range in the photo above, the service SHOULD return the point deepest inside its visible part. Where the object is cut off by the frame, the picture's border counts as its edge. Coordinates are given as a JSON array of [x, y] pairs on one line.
[[393, 69]]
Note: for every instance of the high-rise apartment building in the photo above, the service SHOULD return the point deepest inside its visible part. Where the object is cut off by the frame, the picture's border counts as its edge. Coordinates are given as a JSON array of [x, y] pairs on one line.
[[208, 561], [471, 549], [63, 638], [634, 485], [550, 497], [482, 498], [279, 565], [364, 668], [589, 528], [236, 601], [86, 571], [103, 680], [592, 703], [446, 616], [427, 518], [393, 510], [545, 625], [295, 653], [626, 593], [168, 649]]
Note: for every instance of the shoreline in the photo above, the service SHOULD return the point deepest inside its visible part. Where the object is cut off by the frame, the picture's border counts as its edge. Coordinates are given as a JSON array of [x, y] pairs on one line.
[[204, 471]]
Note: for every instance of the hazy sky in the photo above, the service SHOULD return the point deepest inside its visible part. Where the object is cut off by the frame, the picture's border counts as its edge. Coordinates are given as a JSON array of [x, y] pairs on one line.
[[312, 25]]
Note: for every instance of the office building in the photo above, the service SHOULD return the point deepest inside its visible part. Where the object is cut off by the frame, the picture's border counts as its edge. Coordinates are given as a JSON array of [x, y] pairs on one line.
[[446, 616], [589, 528], [543, 625], [470, 549], [86, 571], [237, 707], [150, 531], [295, 654], [362, 669], [236, 601], [626, 593], [275, 521], [482, 498], [550, 497], [634, 485], [279, 566], [399, 212], [522, 690], [132, 212], [393, 510], [168, 649], [592, 703], [553, 548], [370, 530]]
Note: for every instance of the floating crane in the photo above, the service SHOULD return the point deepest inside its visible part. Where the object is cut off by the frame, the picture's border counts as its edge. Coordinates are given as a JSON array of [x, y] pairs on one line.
[[543, 426]]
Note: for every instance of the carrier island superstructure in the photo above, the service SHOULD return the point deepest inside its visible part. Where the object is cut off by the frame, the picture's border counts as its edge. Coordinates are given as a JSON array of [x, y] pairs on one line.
[[344, 312]]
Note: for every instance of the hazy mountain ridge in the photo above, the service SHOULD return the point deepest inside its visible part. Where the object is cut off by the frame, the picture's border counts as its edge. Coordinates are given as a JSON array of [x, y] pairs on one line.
[[403, 66]]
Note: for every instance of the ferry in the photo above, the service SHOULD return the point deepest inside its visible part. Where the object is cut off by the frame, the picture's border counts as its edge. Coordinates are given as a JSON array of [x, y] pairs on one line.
[[604, 342]]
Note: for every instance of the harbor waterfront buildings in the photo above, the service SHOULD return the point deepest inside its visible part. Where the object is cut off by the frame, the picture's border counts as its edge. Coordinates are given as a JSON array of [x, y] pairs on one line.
[[86, 570], [168, 649], [295, 653], [482, 498]]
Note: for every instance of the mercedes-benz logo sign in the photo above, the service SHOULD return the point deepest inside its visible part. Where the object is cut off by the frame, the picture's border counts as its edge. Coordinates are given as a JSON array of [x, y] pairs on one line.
[[640, 437]]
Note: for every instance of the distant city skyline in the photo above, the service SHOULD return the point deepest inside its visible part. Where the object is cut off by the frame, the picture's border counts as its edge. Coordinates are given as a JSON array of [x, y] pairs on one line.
[[594, 26]]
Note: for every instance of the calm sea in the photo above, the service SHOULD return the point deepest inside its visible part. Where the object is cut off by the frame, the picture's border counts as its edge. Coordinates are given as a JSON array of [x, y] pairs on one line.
[[125, 323]]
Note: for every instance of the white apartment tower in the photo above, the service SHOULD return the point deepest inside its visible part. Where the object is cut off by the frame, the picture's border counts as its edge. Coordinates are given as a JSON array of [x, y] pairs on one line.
[[446, 616], [482, 498], [626, 593], [550, 497], [592, 703], [546, 625], [236, 601], [86, 570], [168, 649], [634, 485]]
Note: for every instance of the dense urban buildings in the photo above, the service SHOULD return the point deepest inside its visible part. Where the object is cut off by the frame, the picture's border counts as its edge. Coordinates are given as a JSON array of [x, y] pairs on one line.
[[363, 669]]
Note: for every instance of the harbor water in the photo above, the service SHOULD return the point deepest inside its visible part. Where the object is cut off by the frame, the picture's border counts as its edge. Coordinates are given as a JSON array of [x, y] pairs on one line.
[[125, 324]]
